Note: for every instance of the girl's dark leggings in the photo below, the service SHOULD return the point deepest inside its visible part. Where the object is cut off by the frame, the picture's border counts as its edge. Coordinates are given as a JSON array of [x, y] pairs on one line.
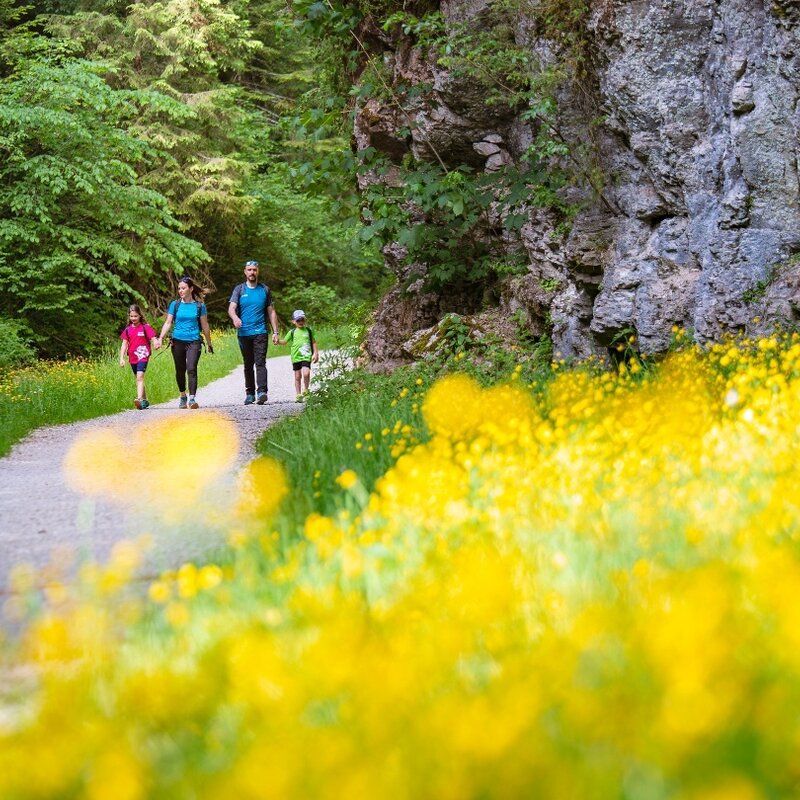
[[186, 355]]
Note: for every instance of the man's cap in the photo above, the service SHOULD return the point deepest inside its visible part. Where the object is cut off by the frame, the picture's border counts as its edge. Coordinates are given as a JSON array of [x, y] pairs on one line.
[[299, 314], [251, 263]]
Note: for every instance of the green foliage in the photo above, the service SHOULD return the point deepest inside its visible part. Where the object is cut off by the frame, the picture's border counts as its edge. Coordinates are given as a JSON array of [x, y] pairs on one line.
[[427, 30], [298, 241], [521, 323], [320, 302], [456, 334], [75, 223], [550, 284], [455, 221], [624, 352], [346, 321], [127, 129], [180, 51], [186, 47], [755, 293], [447, 219], [331, 23], [281, 71], [15, 347], [11, 12], [487, 356], [238, 73]]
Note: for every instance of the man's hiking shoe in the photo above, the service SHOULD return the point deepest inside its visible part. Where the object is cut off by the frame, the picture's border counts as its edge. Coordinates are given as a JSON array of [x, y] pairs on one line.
[[193, 403], [137, 403], [249, 399], [183, 402], [262, 398], [145, 404]]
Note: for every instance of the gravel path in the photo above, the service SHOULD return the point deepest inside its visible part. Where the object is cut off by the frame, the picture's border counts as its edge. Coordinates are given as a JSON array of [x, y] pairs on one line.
[[43, 521]]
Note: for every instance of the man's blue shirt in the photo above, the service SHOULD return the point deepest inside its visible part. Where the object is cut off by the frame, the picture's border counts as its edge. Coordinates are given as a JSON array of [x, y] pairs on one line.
[[252, 308]]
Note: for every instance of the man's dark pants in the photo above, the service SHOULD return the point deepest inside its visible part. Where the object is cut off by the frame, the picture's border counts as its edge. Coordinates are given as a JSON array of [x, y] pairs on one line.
[[254, 352]]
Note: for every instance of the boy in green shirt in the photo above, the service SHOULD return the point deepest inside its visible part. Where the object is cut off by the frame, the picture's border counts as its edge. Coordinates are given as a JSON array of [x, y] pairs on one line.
[[304, 352]]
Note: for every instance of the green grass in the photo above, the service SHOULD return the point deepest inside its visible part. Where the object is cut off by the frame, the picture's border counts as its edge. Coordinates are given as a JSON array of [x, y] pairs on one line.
[[364, 422], [52, 393], [358, 421]]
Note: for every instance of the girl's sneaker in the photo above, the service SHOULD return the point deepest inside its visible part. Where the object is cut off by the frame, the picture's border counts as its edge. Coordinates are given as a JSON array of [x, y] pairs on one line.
[[183, 402], [193, 403]]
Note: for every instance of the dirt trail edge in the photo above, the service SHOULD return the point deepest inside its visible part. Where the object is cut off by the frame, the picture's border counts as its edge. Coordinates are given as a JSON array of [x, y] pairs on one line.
[[43, 521]]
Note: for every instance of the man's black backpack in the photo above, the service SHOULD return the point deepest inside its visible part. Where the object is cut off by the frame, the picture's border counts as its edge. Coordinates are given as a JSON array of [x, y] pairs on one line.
[[237, 293]]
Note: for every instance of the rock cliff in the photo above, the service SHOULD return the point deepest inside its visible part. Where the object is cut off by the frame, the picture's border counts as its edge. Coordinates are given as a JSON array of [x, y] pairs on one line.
[[688, 112]]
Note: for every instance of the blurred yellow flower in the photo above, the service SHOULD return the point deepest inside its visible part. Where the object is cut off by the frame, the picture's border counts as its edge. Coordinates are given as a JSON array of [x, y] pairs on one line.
[[177, 614], [261, 489], [159, 592], [189, 453], [347, 479]]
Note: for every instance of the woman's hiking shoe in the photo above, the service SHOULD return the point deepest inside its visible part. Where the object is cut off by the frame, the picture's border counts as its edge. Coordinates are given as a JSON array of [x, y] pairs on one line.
[[193, 403], [249, 399], [183, 402], [262, 398]]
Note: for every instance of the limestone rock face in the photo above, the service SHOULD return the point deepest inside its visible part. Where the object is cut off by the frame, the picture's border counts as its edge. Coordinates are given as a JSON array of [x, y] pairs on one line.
[[696, 220]]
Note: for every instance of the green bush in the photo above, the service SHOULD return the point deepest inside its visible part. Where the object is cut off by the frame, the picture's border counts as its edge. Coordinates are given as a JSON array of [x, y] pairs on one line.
[[321, 303], [15, 346]]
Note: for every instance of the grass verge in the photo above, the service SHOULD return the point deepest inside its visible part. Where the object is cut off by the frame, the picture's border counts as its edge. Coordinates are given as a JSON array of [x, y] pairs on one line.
[[58, 392]]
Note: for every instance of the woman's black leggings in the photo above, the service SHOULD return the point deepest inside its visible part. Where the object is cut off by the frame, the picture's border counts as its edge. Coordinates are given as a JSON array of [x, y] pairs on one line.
[[186, 355]]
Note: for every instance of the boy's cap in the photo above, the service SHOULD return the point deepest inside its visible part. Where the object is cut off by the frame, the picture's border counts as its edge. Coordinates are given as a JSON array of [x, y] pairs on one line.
[[299, 314]]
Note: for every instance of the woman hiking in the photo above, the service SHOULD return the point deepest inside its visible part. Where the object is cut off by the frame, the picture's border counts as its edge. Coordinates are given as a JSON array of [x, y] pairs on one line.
[[191, 325]]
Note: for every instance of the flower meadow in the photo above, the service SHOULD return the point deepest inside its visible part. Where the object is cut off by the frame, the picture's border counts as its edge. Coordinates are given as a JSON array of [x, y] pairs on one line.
[[587, 588]]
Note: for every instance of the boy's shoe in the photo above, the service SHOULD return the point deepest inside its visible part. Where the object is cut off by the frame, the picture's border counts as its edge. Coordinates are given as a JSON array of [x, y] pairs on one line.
[[145, 404], [137, 403], [262, 398], [193, 403], [183, 402], [249, 399]]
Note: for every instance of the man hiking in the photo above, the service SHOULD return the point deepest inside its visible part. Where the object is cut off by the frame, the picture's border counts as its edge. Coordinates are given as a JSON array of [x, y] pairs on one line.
[[249, 308]]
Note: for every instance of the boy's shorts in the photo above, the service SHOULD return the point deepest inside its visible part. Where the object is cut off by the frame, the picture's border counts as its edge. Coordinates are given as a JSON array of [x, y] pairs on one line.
[[139, 366], [298, 365]]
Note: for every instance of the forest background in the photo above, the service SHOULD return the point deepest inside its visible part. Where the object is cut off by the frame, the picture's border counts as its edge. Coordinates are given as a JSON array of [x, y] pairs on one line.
[[144, 141]]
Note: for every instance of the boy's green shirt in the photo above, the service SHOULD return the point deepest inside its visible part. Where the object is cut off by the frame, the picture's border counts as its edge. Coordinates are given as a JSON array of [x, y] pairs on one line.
[[300, 343]]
